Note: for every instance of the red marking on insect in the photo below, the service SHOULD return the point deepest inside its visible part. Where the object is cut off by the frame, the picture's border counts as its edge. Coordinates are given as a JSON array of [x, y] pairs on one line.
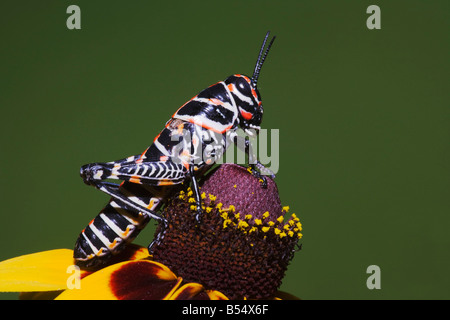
[[246, 115], [246, 78]]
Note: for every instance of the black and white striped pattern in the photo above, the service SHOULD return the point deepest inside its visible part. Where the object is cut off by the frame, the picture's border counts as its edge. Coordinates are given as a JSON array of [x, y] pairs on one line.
[[116, 225]]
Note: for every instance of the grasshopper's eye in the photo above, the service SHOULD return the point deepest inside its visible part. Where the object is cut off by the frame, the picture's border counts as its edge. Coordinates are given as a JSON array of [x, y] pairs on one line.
[[243, 86]]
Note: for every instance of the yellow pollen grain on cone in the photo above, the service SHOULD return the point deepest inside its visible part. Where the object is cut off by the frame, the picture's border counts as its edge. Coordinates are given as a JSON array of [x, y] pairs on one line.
[[226, 222], [191, 200], [242, 224]]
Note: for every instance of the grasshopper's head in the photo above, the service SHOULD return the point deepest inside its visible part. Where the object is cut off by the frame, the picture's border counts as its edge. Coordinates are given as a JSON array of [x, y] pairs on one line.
[[246, 95]]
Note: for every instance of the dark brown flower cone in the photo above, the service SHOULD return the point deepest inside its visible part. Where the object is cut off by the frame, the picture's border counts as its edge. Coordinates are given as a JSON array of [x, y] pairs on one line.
[[241, 247], [234, 185]]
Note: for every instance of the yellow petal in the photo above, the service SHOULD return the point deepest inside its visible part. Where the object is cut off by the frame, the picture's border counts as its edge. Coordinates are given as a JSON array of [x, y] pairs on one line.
[[216, 295], [42, 271], [195, 291], [188, 291], [141, 279]]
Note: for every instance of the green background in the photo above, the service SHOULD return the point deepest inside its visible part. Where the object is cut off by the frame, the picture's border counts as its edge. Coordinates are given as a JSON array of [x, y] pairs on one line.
[[363, 118]]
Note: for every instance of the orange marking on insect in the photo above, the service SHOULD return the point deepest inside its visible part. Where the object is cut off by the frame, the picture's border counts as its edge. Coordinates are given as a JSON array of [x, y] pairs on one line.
[[113, 245], [231, 87], [195, 140], [185, 164], [126, 232], [135, 179], [216, 101], [142, 157], [152, 202], [165, 182], [156, 138], [254, 94], [163, 158], [246, 78], [214, 84], [180, 128], [246, 115]]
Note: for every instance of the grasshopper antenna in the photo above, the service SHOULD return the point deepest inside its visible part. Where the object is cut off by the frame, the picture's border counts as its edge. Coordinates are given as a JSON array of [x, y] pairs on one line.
[[261, 58]]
